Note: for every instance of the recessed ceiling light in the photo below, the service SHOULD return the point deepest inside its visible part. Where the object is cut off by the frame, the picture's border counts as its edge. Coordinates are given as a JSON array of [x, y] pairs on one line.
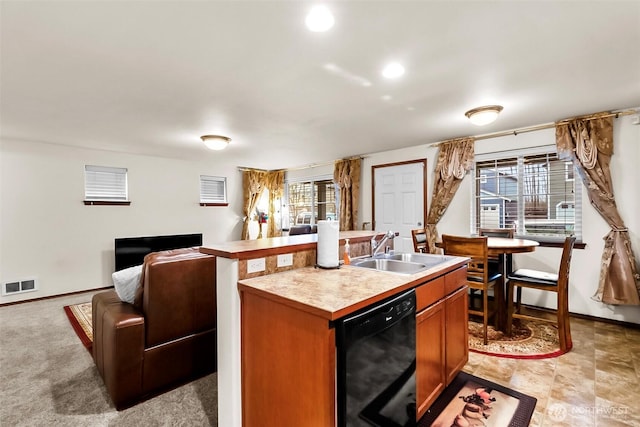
[[319, 19], [393, 70]]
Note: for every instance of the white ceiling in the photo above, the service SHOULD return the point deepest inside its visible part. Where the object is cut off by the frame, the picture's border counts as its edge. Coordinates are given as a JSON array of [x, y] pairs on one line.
[[150, 77]]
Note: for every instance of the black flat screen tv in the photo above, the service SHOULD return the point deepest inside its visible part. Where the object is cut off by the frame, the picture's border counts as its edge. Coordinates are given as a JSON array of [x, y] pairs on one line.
[[130, 251]]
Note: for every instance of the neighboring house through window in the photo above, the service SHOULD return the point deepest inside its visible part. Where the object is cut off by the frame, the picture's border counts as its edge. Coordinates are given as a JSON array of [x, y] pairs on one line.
[[530, 190], [311, 200]]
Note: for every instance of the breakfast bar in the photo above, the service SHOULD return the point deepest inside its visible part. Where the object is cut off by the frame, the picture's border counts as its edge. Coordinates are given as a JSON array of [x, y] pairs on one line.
[[284, 330]]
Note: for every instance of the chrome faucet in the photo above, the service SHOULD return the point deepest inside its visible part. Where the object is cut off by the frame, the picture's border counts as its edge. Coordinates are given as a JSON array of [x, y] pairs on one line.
[[375, 246]]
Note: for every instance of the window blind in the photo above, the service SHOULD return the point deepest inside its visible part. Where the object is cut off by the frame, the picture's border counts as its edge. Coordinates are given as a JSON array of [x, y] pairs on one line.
[[534, 193], [213, 189], [103, 183]]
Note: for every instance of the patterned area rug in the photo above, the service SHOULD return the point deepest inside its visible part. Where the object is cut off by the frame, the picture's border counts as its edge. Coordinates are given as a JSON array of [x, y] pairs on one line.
[[80, 317], [530, 340]]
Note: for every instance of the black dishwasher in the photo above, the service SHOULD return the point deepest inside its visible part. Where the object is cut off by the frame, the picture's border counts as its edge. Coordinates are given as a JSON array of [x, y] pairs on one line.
[[376, 351]]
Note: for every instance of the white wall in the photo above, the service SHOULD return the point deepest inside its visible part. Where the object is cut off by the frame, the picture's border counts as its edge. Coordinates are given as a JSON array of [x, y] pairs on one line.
[[47, 232], [585, 267]]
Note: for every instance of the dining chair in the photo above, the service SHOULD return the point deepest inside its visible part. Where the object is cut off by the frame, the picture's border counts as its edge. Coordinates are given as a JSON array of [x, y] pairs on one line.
[[550, 282], [419, 236], [498, 263], [494, 260], [478, 275], [509, 233], [300, 229]]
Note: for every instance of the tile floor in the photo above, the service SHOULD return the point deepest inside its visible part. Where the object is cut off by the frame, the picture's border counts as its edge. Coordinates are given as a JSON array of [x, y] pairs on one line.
[[596, 384]]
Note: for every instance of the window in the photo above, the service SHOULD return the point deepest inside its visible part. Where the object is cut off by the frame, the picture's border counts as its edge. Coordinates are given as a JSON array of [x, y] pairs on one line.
[[105, 185], [213, 191], [311, 201], [568, 171], [533, 192]]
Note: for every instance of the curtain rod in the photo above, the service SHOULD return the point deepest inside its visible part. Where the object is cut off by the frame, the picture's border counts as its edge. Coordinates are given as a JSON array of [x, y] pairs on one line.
[[313, 165], [515, 132]]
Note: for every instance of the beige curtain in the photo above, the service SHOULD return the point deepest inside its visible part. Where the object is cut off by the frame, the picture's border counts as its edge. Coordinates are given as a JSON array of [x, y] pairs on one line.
[[274, 183], [346, 176], [252, 188], [588, 142], [455, 158]]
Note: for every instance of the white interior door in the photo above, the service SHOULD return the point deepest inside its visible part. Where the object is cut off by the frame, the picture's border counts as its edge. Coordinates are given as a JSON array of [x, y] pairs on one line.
[[399, 202]]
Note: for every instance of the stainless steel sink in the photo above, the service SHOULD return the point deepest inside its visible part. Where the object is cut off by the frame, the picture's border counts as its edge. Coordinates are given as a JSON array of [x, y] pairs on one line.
[[427, 259], [404, 263]]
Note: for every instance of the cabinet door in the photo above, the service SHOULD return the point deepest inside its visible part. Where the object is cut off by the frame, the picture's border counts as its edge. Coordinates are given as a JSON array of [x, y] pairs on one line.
[[457, 343], [430, 356]]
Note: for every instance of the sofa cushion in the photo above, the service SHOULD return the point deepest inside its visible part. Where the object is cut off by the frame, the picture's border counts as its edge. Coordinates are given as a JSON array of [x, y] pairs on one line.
[[127, 282]]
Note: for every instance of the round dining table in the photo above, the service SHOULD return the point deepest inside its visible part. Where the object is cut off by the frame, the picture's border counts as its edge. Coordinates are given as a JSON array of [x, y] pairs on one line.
[[503, 245]]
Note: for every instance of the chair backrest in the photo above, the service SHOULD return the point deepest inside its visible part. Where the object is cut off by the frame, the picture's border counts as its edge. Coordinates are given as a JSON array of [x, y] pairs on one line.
[[509, 233], [472, 247], [565, 262], [419, 236], [299, 229]]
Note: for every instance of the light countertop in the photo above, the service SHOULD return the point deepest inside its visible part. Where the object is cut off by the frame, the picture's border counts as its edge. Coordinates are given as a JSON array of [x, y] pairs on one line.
[[336, 293], [247, 249]]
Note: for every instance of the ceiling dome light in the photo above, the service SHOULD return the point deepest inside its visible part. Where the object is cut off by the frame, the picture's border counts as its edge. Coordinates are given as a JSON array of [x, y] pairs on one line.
[[319, 19], [484, 115], [393, 70], [215, 142]]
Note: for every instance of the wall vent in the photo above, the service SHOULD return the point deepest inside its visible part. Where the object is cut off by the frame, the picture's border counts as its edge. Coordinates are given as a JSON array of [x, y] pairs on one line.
[[18, 287]]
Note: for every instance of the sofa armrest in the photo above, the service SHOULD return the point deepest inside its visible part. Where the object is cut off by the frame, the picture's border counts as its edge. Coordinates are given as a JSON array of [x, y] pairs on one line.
[[118, 346]]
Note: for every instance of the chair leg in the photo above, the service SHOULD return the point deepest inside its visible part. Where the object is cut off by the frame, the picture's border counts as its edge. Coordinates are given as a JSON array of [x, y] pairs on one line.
[[500, 302], [509, 330], [564, 324], [485, 314]]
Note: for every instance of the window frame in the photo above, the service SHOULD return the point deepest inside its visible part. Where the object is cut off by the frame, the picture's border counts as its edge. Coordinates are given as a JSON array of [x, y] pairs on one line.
[[518, 157], [204, 201], [312, 183], [116, 191]]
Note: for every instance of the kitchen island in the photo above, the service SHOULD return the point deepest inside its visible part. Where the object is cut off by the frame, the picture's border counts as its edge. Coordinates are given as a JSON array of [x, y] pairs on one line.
[[288, 344]]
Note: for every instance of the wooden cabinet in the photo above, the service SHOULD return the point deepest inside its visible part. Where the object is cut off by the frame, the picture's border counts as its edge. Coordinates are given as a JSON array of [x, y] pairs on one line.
[[288, 366], [457, 338], [442, 347], [430, 355], [289, 354]]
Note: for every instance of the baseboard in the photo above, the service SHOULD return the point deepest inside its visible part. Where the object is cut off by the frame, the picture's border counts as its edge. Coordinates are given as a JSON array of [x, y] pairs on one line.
[[630, 325], [588, 317], [56, 296]]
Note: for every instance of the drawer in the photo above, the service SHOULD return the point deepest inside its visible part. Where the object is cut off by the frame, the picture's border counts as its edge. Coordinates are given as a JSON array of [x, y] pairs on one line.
[[429, 293], [455, 280]]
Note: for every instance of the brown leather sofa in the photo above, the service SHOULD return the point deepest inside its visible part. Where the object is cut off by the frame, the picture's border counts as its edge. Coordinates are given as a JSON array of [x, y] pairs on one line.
[[167, 337]]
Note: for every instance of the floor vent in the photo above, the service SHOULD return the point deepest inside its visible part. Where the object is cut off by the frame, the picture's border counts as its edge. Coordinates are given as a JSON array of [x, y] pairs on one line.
[[27, 285]]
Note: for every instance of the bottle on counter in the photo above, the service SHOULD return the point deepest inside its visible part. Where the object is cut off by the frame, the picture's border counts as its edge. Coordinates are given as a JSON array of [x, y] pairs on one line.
[[347, 253]]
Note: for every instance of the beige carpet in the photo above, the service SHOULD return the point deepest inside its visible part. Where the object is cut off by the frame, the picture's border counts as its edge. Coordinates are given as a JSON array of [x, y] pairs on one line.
[[49, 379]]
